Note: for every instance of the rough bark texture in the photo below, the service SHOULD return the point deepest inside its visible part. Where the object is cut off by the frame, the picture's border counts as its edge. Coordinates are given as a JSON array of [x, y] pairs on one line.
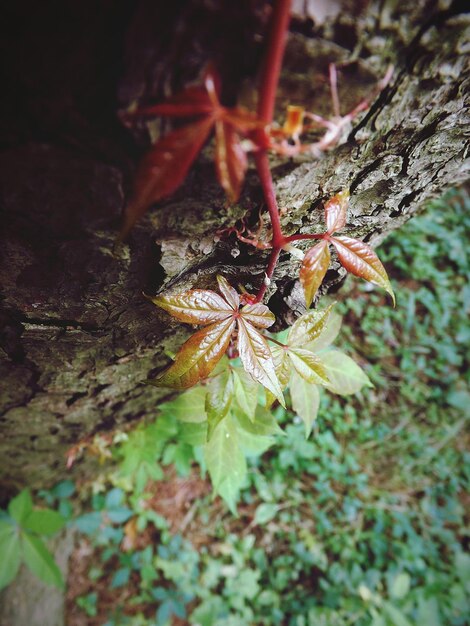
[[78, 337]]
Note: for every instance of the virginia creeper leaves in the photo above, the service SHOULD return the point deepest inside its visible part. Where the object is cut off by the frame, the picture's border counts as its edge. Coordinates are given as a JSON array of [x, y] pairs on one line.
[[354, 255], [201, 352]]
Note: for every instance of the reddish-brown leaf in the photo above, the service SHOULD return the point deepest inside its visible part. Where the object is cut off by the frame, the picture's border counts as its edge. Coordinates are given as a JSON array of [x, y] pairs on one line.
[[196, 306], [359, 259], [164, 168], [191, 101], [228, 293], [198, 356], [256, 358], [231, 161], [313, 270], [336, 211], [258, 314]]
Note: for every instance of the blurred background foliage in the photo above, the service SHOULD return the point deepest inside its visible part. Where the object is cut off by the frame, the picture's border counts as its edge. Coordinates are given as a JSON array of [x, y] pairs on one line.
[[364, 523]]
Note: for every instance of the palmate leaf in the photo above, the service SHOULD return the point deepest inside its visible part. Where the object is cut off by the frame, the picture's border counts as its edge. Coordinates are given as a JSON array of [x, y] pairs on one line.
[[218, 399], [258, 314], [10, 549], [314, 267], [308, 327], [256, 358], [40, 561], [197, 306], [305, 400], [228, 292], [198, 356], [308, 366], [345, 376], [359, 259], [231, 161], [246, 392]]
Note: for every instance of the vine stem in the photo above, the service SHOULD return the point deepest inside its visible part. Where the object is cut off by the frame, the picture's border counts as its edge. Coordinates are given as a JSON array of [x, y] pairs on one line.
[[269, 79]]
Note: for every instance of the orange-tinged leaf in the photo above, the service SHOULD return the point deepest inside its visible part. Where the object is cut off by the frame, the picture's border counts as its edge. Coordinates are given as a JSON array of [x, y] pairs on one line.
[[230, 159], [196, 306], [294, 124], [336, 211], [256, 358], [359, 259], [198, 356], [164, 168], [258, 314], [308, 327], [242, 120], [308, 366], [228, 293], [313, 270]]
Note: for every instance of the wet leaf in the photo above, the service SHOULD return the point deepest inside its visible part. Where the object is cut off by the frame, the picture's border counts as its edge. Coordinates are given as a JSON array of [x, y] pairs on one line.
[[196, 306], [328, 334], [198, 356], [218, 400], [308, 366], [359, 259], [258, 314], [336, 211], [313, 270], [308, 327], [228, 293], [256, 358]]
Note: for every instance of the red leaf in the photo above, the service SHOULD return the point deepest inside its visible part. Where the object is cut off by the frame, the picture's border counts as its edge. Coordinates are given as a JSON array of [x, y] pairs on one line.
[[191, 101], [256, 358], [164, 168], [359, 259], [196, 306], [336, 211], [198, 356], [313, 270], [230, 159], [258, 314]]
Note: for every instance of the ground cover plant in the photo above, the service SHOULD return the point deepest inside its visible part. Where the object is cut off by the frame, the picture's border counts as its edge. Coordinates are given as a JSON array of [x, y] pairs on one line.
[[362, 523]]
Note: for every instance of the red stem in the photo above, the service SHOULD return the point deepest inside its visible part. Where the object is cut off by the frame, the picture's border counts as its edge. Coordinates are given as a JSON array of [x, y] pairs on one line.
[[292, 238], [273, 257], [271, 68], [264, 173]]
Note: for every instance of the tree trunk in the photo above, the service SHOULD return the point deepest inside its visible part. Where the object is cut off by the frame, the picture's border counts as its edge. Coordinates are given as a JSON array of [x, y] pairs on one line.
[[78, 337]]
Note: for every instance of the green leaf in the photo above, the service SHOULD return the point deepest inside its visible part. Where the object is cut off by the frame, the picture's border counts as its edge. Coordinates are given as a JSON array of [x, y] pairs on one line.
[[193, 434], [265, 513], [308, 327], [308, 366], [328, 334], [305, 401], [345, 376], [10, 551], [218, 400], [40, 561], [400, 586], [246, 392], [395, 615], [44, 522], [21, 506], [188, 406], [256, 358], [264, 423], [253, 445], [226, 462]]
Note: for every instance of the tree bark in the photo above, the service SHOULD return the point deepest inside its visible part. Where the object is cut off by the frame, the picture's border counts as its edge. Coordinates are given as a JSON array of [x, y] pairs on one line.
[[78, 338]]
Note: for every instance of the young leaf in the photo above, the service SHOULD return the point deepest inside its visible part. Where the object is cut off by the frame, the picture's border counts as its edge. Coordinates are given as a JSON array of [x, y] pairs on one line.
[[308, 366], [246, 392], [10, 549], [345, 376], [308, 327], [228, 292], [230, 160], [313, 270], [226, 462], [40, 561], [188, 406], [198, 356], [44, 522], [218, 400], [359, 259], [282, 366], [196, 306], [258, 314], [21, 506], [164, 168], [264, 424], [305, 400], [328, 334], [256, 358], [336, 211]]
